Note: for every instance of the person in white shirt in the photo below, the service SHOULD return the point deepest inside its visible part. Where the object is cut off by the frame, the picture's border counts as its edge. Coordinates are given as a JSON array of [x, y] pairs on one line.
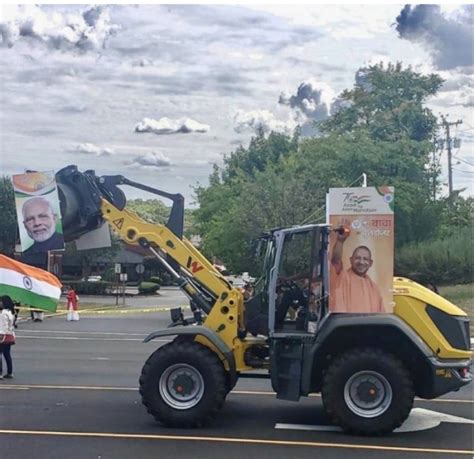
[[7, 334]]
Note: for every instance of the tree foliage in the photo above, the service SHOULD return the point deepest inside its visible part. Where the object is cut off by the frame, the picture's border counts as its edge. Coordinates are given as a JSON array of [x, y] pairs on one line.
[[155, 211], [8, 222], [387, 102]]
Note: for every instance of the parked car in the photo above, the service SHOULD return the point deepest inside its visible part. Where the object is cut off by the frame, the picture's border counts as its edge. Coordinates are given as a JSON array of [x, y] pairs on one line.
[[93, 278]]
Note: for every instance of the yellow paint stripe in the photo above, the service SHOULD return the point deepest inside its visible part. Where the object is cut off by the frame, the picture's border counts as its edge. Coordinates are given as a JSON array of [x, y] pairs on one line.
[[251, 441], [234, 392], [113, 309]]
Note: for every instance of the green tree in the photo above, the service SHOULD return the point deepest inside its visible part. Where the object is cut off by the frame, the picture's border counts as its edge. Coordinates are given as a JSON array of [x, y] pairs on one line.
[[456, 215], [385, 113], [155, 211], [151, 210], [8, 222], [387, 102], [383, 129], [226, 215]]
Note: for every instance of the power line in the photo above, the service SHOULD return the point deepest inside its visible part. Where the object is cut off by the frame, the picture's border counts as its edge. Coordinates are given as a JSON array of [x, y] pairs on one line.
[[463, 160], [463, 170]]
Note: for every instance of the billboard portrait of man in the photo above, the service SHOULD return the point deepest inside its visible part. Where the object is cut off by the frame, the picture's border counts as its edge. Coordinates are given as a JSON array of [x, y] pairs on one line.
[[38, 212], [39, 220], [353, 288]]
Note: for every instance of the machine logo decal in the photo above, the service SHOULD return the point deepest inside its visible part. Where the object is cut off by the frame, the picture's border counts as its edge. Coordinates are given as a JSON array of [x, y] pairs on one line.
[[194, 265]]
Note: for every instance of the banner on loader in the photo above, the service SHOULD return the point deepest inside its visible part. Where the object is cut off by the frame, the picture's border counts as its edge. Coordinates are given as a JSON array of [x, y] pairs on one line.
[[361, 255]]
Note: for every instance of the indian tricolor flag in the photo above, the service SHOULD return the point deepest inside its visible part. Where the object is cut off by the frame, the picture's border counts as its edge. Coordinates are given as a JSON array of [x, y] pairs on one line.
[[28, 285]]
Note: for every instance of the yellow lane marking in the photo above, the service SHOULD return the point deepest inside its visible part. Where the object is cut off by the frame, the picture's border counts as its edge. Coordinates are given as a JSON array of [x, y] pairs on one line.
[[252, 441], [234, 392]]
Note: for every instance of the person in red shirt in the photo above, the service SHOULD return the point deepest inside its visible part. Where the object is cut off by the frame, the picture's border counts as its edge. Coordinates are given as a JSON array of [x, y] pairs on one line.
[[352, 289], [72, 305]]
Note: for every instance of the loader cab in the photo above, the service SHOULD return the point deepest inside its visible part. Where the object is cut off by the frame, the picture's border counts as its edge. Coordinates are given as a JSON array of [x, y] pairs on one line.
[[291, 294], [298, 283]]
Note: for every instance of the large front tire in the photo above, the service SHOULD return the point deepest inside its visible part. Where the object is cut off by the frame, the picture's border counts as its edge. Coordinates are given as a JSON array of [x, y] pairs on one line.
[[183, 384], [367, 392]]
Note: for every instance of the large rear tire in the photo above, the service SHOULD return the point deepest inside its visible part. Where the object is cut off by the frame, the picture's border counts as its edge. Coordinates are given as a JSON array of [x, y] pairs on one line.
[[183, 384], [367, 392]]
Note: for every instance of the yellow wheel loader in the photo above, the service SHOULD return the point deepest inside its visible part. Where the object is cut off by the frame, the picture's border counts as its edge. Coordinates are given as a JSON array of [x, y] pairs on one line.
[[368, 367]]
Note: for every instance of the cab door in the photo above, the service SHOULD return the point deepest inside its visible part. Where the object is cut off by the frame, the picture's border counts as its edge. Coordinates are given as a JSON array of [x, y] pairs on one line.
[[296, 291]]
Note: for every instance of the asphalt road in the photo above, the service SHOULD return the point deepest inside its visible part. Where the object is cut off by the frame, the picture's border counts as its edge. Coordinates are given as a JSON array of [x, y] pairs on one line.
[[75, 395]]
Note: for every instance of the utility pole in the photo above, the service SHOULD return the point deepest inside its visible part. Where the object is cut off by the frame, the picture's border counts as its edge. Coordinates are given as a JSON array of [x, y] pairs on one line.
[[446, 125]]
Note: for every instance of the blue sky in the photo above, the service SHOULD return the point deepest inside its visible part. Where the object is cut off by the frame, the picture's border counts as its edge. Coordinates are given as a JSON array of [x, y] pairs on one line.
[[159, 93]]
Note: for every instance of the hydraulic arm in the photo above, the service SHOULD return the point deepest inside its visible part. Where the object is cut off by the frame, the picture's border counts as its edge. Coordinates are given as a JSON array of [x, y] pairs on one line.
[[87, 201]]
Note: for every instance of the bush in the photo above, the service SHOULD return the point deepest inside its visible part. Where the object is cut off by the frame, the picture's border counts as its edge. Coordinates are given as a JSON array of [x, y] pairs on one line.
[[109, 274], [445, 261], [154, 279], [148, 288], [90, 288]]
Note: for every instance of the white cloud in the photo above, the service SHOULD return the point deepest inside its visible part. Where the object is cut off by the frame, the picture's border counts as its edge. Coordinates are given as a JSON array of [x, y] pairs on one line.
[[457, 90], [155, 160], [461, 98], [92, 149], [263, 119], [169, 126], [85, 30]]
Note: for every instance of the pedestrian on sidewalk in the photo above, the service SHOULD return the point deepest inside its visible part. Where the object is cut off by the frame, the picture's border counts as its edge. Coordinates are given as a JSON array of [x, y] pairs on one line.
[[37, 315], [72, 305], [7, 334]]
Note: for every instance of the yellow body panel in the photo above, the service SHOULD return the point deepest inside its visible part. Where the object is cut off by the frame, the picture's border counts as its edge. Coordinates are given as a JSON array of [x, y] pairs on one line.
[[410, 301]]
